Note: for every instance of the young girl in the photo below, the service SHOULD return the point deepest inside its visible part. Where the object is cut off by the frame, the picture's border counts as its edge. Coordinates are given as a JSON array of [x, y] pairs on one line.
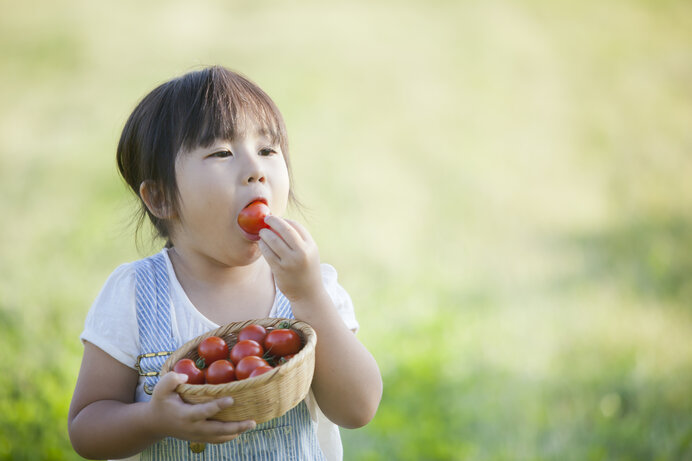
[[197, 150]]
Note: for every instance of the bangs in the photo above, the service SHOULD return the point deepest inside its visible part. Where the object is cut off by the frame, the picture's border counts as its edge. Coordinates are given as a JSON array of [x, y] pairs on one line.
[[226, 105], [192, 111]]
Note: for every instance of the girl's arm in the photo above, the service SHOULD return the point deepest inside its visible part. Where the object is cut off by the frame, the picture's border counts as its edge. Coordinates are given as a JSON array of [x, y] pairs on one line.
[[347, 382], [105, 422]]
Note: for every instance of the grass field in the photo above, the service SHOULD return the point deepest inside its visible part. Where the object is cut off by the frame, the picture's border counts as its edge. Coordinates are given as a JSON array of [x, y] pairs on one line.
[[501, 185]]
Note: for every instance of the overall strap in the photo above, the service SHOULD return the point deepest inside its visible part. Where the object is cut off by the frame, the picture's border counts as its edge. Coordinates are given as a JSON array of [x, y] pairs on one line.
[[153, 317], [291, 436], [283, 308]]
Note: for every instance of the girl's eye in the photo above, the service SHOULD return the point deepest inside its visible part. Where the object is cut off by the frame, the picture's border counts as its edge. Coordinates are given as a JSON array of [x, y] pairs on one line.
[[267, 151], [222, 153]]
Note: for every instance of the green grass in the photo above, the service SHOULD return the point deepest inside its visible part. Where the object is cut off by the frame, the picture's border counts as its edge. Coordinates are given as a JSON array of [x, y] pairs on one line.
[[503, 187]]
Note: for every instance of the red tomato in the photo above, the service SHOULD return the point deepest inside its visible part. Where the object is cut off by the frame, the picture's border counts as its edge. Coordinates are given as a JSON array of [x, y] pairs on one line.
[[247, 364], [253, 332], [221, 371], [212, 349], [260, 370], [245, 348], [188, 367], [251, 218], [282, 342]]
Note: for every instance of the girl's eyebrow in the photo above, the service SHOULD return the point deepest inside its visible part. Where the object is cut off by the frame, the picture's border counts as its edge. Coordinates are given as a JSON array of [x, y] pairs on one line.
[[265, 134], [263, 137], [212, 148], [217, 145]]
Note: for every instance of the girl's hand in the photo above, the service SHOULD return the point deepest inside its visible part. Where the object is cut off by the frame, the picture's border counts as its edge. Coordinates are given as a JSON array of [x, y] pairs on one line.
[[293, 257], [173, 417]]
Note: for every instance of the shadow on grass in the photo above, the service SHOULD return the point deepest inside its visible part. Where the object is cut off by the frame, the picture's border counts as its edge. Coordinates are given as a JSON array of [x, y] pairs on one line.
[[591, 405], [650, 255]]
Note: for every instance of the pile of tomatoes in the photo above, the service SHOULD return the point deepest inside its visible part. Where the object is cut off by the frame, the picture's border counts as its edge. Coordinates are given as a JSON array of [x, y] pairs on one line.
[[257, 351]]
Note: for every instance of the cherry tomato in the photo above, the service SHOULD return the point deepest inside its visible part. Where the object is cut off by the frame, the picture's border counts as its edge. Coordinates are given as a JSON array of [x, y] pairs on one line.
[[253, 332], [245, 348], [212, 349], [247, 364], [260, 370], [282, 342], [188, 367], [221, 371], [251, 218]]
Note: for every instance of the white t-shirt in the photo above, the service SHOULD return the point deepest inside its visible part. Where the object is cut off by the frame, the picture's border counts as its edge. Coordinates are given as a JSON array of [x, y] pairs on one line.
[[111, 325]]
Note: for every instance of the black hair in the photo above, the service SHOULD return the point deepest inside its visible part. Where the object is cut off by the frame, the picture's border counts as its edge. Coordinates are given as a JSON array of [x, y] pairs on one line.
[[187, 112]]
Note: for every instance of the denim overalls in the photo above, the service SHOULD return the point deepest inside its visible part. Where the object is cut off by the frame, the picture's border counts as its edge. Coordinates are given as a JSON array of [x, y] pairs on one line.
[[288, 437]]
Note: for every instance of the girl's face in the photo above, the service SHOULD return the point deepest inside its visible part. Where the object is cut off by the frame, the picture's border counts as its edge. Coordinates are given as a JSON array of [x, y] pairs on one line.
[[215, 183]]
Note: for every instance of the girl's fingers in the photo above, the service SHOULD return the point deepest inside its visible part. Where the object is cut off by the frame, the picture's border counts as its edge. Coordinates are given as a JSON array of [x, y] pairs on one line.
[[229, 428], [268, 240], [285, 231], [203, 411], [304, 234], [277, 243], [169, 382], [220, 431]]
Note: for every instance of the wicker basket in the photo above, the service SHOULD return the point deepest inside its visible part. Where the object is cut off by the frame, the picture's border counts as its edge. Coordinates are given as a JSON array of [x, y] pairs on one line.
[[263, 397]]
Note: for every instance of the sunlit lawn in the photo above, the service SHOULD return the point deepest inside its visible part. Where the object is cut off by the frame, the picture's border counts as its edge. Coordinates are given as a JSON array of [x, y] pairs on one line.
[[503, 187]]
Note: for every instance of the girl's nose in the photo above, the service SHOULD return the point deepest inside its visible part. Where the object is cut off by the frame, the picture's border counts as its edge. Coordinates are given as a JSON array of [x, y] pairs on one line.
[[256, 178], [254, 173]]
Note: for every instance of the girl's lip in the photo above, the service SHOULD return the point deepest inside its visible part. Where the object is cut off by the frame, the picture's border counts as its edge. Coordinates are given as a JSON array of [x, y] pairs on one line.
[[257, 199], [249, 236]]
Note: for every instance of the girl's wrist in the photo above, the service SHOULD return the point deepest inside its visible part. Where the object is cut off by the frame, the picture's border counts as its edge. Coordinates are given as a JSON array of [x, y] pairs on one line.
[[150, 421], [311, 303]]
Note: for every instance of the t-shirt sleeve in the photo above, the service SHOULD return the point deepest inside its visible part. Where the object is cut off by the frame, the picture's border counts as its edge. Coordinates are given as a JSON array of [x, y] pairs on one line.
[[111, 324], [340, 297]]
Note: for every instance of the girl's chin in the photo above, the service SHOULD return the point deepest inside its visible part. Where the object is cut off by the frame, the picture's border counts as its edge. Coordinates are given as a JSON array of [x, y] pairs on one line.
[[249, 256], [251, 237]]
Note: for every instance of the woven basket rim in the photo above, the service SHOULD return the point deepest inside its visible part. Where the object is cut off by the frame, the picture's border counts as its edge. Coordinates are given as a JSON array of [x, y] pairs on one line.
[[308, 335]]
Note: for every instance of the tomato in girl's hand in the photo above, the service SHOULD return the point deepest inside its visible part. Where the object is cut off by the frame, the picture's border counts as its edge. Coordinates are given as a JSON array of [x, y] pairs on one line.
[[244, 348], [212, 349], [221, 371], [282, 342], [253, 332], [188, 367], [260, 370], [247, 365], [251, 218]]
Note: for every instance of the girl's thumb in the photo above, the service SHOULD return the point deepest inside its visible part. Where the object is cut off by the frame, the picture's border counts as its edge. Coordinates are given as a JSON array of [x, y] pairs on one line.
[[169, 382]]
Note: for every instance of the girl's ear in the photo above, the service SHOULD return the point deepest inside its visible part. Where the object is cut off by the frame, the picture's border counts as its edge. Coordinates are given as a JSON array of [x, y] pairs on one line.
[[155, 200]]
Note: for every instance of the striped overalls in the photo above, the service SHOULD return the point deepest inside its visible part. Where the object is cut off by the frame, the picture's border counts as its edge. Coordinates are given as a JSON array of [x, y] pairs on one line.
[[288, 437]]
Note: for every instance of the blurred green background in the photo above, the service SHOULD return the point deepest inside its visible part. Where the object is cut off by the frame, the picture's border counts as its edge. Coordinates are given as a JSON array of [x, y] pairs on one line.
[[504, 186]]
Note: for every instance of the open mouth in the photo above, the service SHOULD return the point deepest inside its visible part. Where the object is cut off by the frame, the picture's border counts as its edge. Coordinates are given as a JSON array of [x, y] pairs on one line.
[[251, 218]]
